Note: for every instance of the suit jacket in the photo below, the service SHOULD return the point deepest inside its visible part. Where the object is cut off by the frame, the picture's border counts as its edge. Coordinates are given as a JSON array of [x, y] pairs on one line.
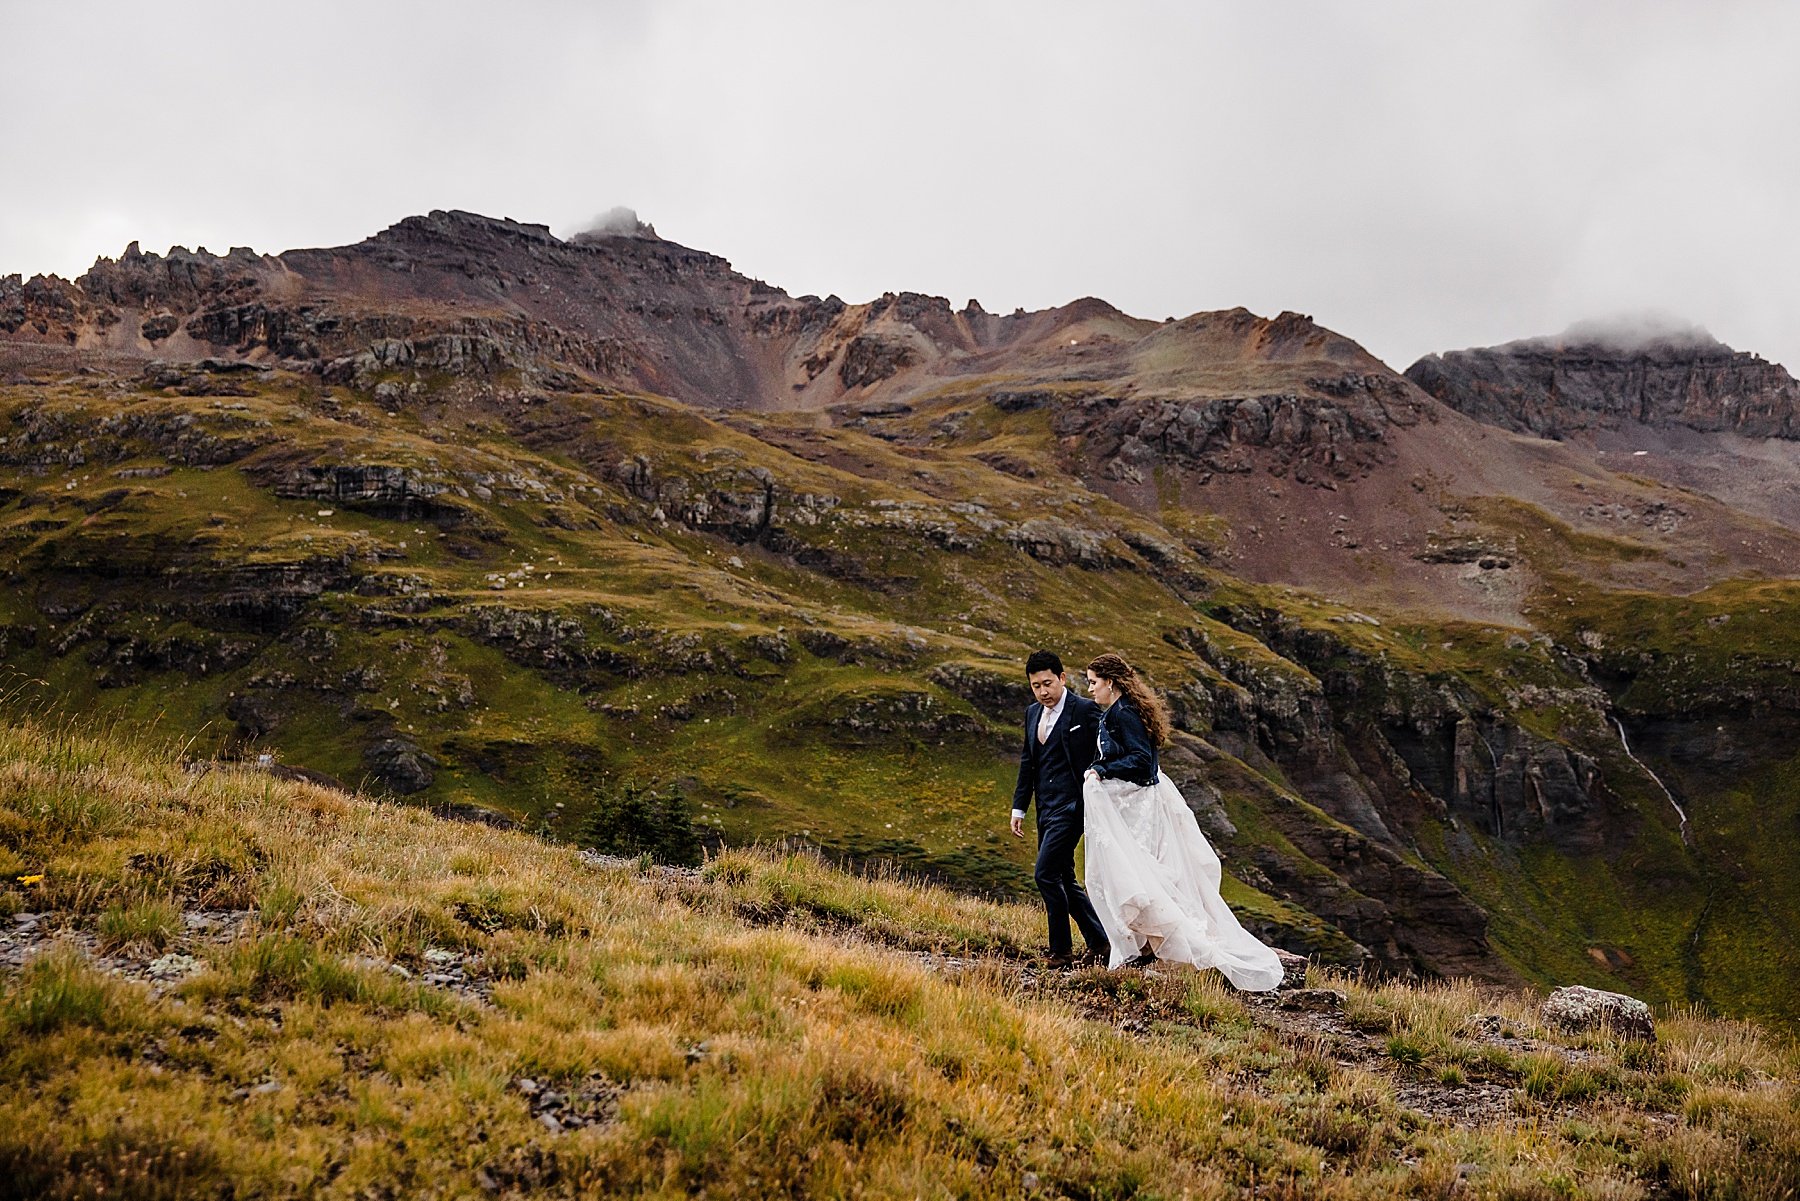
[[1126, 752], [1052, 771]]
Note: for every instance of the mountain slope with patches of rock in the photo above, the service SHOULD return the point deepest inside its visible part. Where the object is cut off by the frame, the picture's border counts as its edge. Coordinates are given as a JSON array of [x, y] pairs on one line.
[[546, 531]]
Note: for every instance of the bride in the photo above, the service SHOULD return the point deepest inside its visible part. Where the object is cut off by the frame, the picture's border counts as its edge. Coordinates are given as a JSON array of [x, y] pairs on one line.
[[1151, 874]]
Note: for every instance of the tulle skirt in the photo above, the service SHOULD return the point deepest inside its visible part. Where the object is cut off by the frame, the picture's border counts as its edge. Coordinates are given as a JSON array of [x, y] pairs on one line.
[[1154, 880]]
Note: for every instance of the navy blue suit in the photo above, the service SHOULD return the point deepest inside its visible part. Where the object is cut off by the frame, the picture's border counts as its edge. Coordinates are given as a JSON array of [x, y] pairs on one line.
[[1052, 772]]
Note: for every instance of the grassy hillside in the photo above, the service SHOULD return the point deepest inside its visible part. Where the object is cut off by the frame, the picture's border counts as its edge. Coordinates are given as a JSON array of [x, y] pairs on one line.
[[556, 605], [236, 985]]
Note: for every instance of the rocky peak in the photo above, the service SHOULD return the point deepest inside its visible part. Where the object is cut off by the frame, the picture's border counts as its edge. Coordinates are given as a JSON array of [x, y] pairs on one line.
[[180, 281], [456, 225], [1287, 338], [1595, 376]]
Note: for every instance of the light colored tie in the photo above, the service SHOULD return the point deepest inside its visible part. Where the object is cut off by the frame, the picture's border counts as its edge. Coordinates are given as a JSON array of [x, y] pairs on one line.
[[1045, 724]]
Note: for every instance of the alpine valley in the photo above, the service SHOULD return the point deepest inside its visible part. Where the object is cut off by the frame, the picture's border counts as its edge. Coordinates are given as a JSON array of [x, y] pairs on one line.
[[1490, 668]]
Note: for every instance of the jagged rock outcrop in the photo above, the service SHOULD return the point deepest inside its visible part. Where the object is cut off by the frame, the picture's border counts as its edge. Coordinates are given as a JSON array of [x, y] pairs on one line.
[[995, 693], [1421, 746], [1333, 430], [869, 360], [260, 596], [180, 281], [48, 308], [884, 716], [1553, 387], [385, 490]]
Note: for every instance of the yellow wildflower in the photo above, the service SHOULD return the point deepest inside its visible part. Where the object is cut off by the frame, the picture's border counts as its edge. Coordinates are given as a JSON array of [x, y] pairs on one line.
[[28, 881]]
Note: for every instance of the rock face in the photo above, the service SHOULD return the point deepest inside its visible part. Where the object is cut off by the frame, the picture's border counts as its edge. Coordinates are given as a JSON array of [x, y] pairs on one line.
[[1553, 387], [1419, 745], [1332, 429], [1578, 1009]]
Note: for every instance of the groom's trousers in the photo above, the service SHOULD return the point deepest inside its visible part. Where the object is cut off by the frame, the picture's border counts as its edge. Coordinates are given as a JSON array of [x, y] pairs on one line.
[[1064, 897]]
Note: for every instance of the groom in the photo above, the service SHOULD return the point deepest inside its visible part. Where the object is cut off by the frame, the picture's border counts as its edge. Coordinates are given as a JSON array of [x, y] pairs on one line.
[[1060, 742]]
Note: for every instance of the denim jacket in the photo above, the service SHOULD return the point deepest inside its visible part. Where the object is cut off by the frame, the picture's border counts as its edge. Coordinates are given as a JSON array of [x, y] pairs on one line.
[[1126, 752]]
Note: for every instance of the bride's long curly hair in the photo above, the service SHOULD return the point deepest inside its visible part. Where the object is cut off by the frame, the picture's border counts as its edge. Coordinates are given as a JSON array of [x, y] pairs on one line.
[[1121, 675]]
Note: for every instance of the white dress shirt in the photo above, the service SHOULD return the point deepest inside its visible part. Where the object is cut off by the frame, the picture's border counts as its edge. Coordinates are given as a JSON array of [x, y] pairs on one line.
[[1046, 723]]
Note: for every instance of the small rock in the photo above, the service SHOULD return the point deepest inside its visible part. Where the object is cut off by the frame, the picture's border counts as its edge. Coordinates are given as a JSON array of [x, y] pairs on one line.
[[1315, 1000], [486, 1180], [267, 1087], [550, 1099], [1293, 969], [400, 970], [1576, 1008], [174, 964], [550, 1123], [1030, 1181], [1485, 1025], [528, 1086], [441, 957]]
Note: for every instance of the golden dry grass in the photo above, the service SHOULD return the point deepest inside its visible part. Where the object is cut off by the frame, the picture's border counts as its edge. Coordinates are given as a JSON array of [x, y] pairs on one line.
[[767, 1026]]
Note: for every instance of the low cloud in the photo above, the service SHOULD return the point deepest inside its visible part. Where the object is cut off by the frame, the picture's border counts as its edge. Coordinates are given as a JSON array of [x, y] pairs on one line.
[[620, 221], [1635, 331]]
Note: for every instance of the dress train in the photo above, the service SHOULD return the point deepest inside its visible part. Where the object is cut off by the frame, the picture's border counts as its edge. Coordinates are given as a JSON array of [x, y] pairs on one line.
[[1154, 879]]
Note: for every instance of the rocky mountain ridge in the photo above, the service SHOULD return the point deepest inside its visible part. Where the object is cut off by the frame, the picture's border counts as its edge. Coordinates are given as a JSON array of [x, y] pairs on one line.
[[1555, 387]]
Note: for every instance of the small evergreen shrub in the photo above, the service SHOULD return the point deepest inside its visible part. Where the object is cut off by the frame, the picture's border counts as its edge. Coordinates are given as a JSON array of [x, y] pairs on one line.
[[635, 820]]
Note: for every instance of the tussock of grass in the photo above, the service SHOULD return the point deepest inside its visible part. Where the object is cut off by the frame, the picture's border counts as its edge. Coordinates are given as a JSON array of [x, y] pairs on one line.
[[764, 1026], [60, 988], [147, 923]]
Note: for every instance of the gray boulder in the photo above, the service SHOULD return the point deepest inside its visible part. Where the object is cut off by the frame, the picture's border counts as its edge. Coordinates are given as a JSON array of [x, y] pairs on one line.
[[400, 764], [1578, 1009]]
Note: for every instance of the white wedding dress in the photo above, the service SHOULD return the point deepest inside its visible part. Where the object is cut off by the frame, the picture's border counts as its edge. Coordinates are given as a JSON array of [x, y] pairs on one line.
[[1154, 880]]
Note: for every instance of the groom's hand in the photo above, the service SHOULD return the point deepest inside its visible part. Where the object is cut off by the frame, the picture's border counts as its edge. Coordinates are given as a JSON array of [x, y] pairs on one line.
[[1018, 827]]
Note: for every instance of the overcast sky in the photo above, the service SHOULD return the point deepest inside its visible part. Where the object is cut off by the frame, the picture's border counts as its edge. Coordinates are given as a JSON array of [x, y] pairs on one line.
[[1418, 176]]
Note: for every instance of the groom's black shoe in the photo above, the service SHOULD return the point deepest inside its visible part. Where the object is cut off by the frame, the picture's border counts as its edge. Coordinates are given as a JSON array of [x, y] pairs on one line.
[[1142, 959], [1060, 961]]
